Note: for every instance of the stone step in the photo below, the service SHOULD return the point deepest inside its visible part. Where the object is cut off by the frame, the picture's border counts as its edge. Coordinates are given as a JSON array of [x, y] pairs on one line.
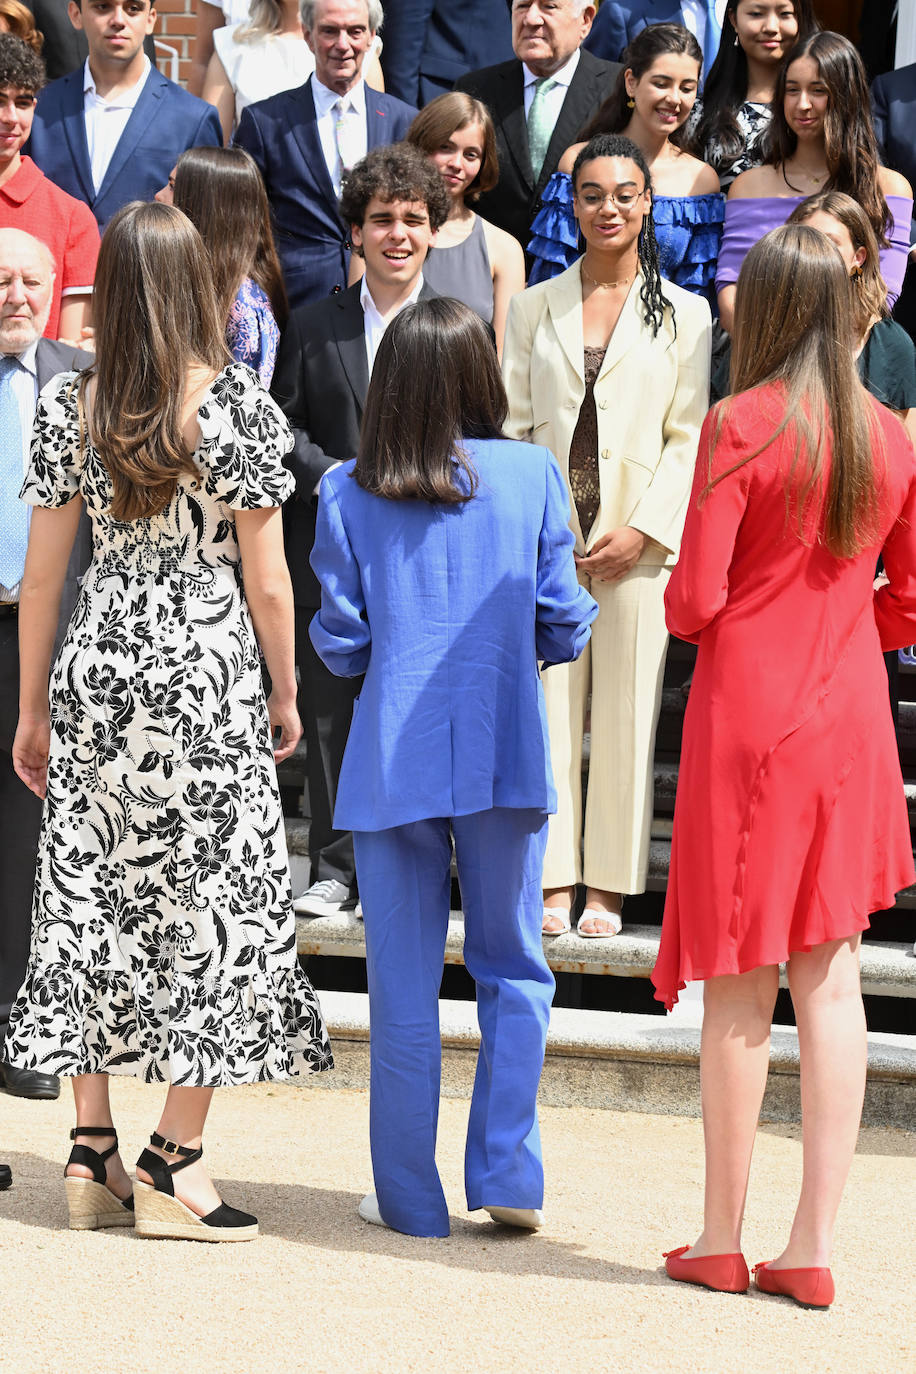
[[888, 970], [624, 1062]]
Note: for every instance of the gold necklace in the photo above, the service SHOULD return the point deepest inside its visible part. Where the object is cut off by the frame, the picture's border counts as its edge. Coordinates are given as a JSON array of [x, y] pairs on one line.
[[603, 285]]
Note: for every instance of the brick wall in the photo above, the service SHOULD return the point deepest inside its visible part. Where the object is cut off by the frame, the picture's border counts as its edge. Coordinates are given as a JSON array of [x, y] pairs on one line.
[[177, 26]]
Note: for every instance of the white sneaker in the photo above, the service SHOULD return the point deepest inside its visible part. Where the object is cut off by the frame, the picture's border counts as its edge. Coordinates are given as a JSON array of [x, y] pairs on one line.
[[526, 1218], [324, 898], [368, 1210]]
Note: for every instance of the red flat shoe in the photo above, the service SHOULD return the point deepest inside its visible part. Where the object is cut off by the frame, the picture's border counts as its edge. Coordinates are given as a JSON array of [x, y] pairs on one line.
[[724, 1273], [809, 1287]]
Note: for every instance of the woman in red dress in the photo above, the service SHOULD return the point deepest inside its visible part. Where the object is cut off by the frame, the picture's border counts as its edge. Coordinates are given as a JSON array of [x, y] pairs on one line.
[[790, 825]]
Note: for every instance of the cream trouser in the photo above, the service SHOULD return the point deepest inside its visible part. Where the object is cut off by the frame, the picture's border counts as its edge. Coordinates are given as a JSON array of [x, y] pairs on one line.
[[622, 668]]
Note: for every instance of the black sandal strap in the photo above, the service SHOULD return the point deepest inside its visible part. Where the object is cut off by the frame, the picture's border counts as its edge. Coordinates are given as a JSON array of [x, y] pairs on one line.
[[94, 1130], [156, 1167], [88, 1158], [171, 1147]]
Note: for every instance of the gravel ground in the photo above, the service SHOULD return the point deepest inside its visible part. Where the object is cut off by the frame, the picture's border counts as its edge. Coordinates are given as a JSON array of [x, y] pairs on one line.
[[324, 1293]]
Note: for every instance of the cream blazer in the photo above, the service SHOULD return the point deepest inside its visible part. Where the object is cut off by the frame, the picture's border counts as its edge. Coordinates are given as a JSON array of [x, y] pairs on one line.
[[651, 397]]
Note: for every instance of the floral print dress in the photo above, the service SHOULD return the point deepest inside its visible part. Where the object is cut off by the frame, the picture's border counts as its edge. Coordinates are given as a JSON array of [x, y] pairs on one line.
[[163, 937]]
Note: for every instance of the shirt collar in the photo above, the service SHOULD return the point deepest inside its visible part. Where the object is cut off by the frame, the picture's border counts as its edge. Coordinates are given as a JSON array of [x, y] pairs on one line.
[[562, 77], [26, 359], [22, 183], [365, 295], [325, 99], [127, 99]]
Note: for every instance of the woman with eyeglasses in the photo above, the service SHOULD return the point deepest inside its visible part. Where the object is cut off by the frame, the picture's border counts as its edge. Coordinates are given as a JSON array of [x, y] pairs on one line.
[[608, 365]]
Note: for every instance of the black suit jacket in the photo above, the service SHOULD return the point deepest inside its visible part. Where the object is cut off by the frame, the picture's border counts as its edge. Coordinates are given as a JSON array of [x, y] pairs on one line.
[[513, 202], [65, 48], [320, 383], [893, 102]]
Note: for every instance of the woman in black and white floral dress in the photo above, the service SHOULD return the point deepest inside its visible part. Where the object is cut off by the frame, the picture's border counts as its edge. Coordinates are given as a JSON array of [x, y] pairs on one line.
[[163, 938]]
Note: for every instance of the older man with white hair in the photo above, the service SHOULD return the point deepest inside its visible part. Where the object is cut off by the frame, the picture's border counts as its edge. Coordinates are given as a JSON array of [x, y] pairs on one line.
[[539, 103], [27, 362], [303, 140]]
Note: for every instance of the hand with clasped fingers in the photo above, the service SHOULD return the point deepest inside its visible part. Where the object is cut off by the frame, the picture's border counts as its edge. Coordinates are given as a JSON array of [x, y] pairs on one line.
[[613, 555]]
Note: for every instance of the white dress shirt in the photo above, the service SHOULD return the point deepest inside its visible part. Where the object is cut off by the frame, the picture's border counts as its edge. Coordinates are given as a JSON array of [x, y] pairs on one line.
[[373, 323], [107, 119], [694, 14], [326, 115], [24, 382], [557, 94]]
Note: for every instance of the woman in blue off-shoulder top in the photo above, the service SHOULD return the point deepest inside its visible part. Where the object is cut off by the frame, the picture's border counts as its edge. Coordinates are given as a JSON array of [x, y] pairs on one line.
[[650, 104]]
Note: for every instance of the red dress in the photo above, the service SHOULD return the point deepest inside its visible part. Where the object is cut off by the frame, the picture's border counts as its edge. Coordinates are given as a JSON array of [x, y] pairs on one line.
[[790, 825]]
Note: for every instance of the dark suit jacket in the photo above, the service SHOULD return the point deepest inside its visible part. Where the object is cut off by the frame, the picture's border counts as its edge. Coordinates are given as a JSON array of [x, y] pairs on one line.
[[617, 25], [320, 383], [163, 123], [893, 99], [429, 44], [281, 134], [514, 200], [65, 48]]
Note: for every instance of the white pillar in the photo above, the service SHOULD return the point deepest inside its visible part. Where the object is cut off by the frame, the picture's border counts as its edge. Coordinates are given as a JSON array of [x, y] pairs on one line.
[[906, 33]]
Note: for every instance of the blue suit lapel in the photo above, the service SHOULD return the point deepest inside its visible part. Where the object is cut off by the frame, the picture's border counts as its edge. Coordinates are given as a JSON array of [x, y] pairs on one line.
[[71, 99], [148, 105], [304, 124]]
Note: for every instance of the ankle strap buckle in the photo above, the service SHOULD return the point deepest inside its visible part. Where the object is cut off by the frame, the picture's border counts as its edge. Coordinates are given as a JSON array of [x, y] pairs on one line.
[[169, 1147]]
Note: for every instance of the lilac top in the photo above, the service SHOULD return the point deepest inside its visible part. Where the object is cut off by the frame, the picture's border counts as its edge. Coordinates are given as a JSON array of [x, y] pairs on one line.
[[252, 334], [747, 220]]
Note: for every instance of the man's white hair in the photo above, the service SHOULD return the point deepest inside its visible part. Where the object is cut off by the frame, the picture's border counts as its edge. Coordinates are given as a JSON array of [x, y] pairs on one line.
[[307, 10]]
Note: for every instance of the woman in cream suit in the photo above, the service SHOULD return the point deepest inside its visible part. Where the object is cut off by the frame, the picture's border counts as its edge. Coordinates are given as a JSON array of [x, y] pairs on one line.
[[608, 366]]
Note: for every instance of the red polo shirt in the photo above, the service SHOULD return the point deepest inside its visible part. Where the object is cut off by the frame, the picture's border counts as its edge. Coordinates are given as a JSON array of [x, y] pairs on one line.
[[32, 203]]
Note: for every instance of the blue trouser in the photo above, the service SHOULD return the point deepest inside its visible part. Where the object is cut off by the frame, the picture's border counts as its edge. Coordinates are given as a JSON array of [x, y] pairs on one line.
[[404, 884]]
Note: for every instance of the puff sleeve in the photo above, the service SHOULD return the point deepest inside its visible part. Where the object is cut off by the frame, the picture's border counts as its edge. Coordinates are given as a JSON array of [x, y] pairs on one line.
[[244, 437]]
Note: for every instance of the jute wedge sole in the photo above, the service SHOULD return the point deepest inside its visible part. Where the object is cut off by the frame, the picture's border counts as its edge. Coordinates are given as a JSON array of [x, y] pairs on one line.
[[92, 1207], [167, 1218]]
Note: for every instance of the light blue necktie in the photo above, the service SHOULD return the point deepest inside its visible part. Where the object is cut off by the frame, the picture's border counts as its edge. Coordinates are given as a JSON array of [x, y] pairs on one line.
[[14, 515], [711, 36], [540, 124]]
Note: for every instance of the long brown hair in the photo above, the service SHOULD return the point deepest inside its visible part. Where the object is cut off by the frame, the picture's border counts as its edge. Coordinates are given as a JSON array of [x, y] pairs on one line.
[[794, 326], [652, 42], [849, 135], [155, 317], [435, 382], [869, 289], [221, 192], [444, 116]]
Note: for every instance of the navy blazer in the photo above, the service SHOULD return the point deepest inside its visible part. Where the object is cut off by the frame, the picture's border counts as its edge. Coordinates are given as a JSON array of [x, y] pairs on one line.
[[617, 25], [164, 122], [281, 134], [893, 99], [447, 609], [430, 43]]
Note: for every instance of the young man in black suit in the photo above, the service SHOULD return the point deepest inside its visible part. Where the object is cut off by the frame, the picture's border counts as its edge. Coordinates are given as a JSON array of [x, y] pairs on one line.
[[539, 103], [394, 201]]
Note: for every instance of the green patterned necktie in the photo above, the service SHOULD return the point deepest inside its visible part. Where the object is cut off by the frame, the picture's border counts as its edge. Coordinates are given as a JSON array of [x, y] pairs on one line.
[[540, 124]]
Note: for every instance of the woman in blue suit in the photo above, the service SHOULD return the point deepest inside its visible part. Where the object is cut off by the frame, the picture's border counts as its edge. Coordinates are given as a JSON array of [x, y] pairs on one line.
[[446, 565]]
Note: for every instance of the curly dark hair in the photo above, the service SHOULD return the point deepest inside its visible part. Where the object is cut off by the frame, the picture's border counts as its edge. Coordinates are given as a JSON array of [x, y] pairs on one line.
[[655, 303], [21, 69], [395, 172]]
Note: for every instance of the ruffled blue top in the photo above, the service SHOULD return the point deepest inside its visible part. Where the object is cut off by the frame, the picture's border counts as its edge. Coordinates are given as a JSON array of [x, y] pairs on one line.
[[688, 230]]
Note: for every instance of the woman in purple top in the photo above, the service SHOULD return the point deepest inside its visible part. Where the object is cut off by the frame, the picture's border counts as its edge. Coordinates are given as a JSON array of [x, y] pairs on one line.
[[821, 138]]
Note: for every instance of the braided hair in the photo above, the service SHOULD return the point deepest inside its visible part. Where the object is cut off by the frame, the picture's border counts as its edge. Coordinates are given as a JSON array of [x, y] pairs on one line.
[[655, 303]]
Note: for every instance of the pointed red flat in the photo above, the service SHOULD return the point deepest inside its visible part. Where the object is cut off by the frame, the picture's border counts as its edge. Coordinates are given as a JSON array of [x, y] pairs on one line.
[[809, 1287], [724, 1273]]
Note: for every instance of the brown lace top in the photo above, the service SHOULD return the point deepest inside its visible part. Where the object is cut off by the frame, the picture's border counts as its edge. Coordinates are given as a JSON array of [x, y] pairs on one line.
[[583, 450]]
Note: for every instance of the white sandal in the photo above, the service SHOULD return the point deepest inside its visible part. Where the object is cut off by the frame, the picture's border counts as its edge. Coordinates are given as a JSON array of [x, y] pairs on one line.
[[557, 913], [612, 918]]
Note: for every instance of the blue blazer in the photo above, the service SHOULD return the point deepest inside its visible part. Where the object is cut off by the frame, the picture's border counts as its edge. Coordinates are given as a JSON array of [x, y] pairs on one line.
[[617, 25], [893, 101], [281, 134], [430, 43], [163, 123], [447, 609]]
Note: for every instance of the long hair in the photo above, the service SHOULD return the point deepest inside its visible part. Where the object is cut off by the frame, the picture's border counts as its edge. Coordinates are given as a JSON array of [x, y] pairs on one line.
[[655, 303], [264, 18], [652, 42], [444, 116], [221, 192], [155, 316], [435, 382], [21, 22], [717, 138], [849, 135], [868, 286], [794, 326]]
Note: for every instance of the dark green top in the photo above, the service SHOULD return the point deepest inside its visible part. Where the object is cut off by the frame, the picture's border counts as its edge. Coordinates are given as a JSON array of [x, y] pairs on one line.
[[887, 365]]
